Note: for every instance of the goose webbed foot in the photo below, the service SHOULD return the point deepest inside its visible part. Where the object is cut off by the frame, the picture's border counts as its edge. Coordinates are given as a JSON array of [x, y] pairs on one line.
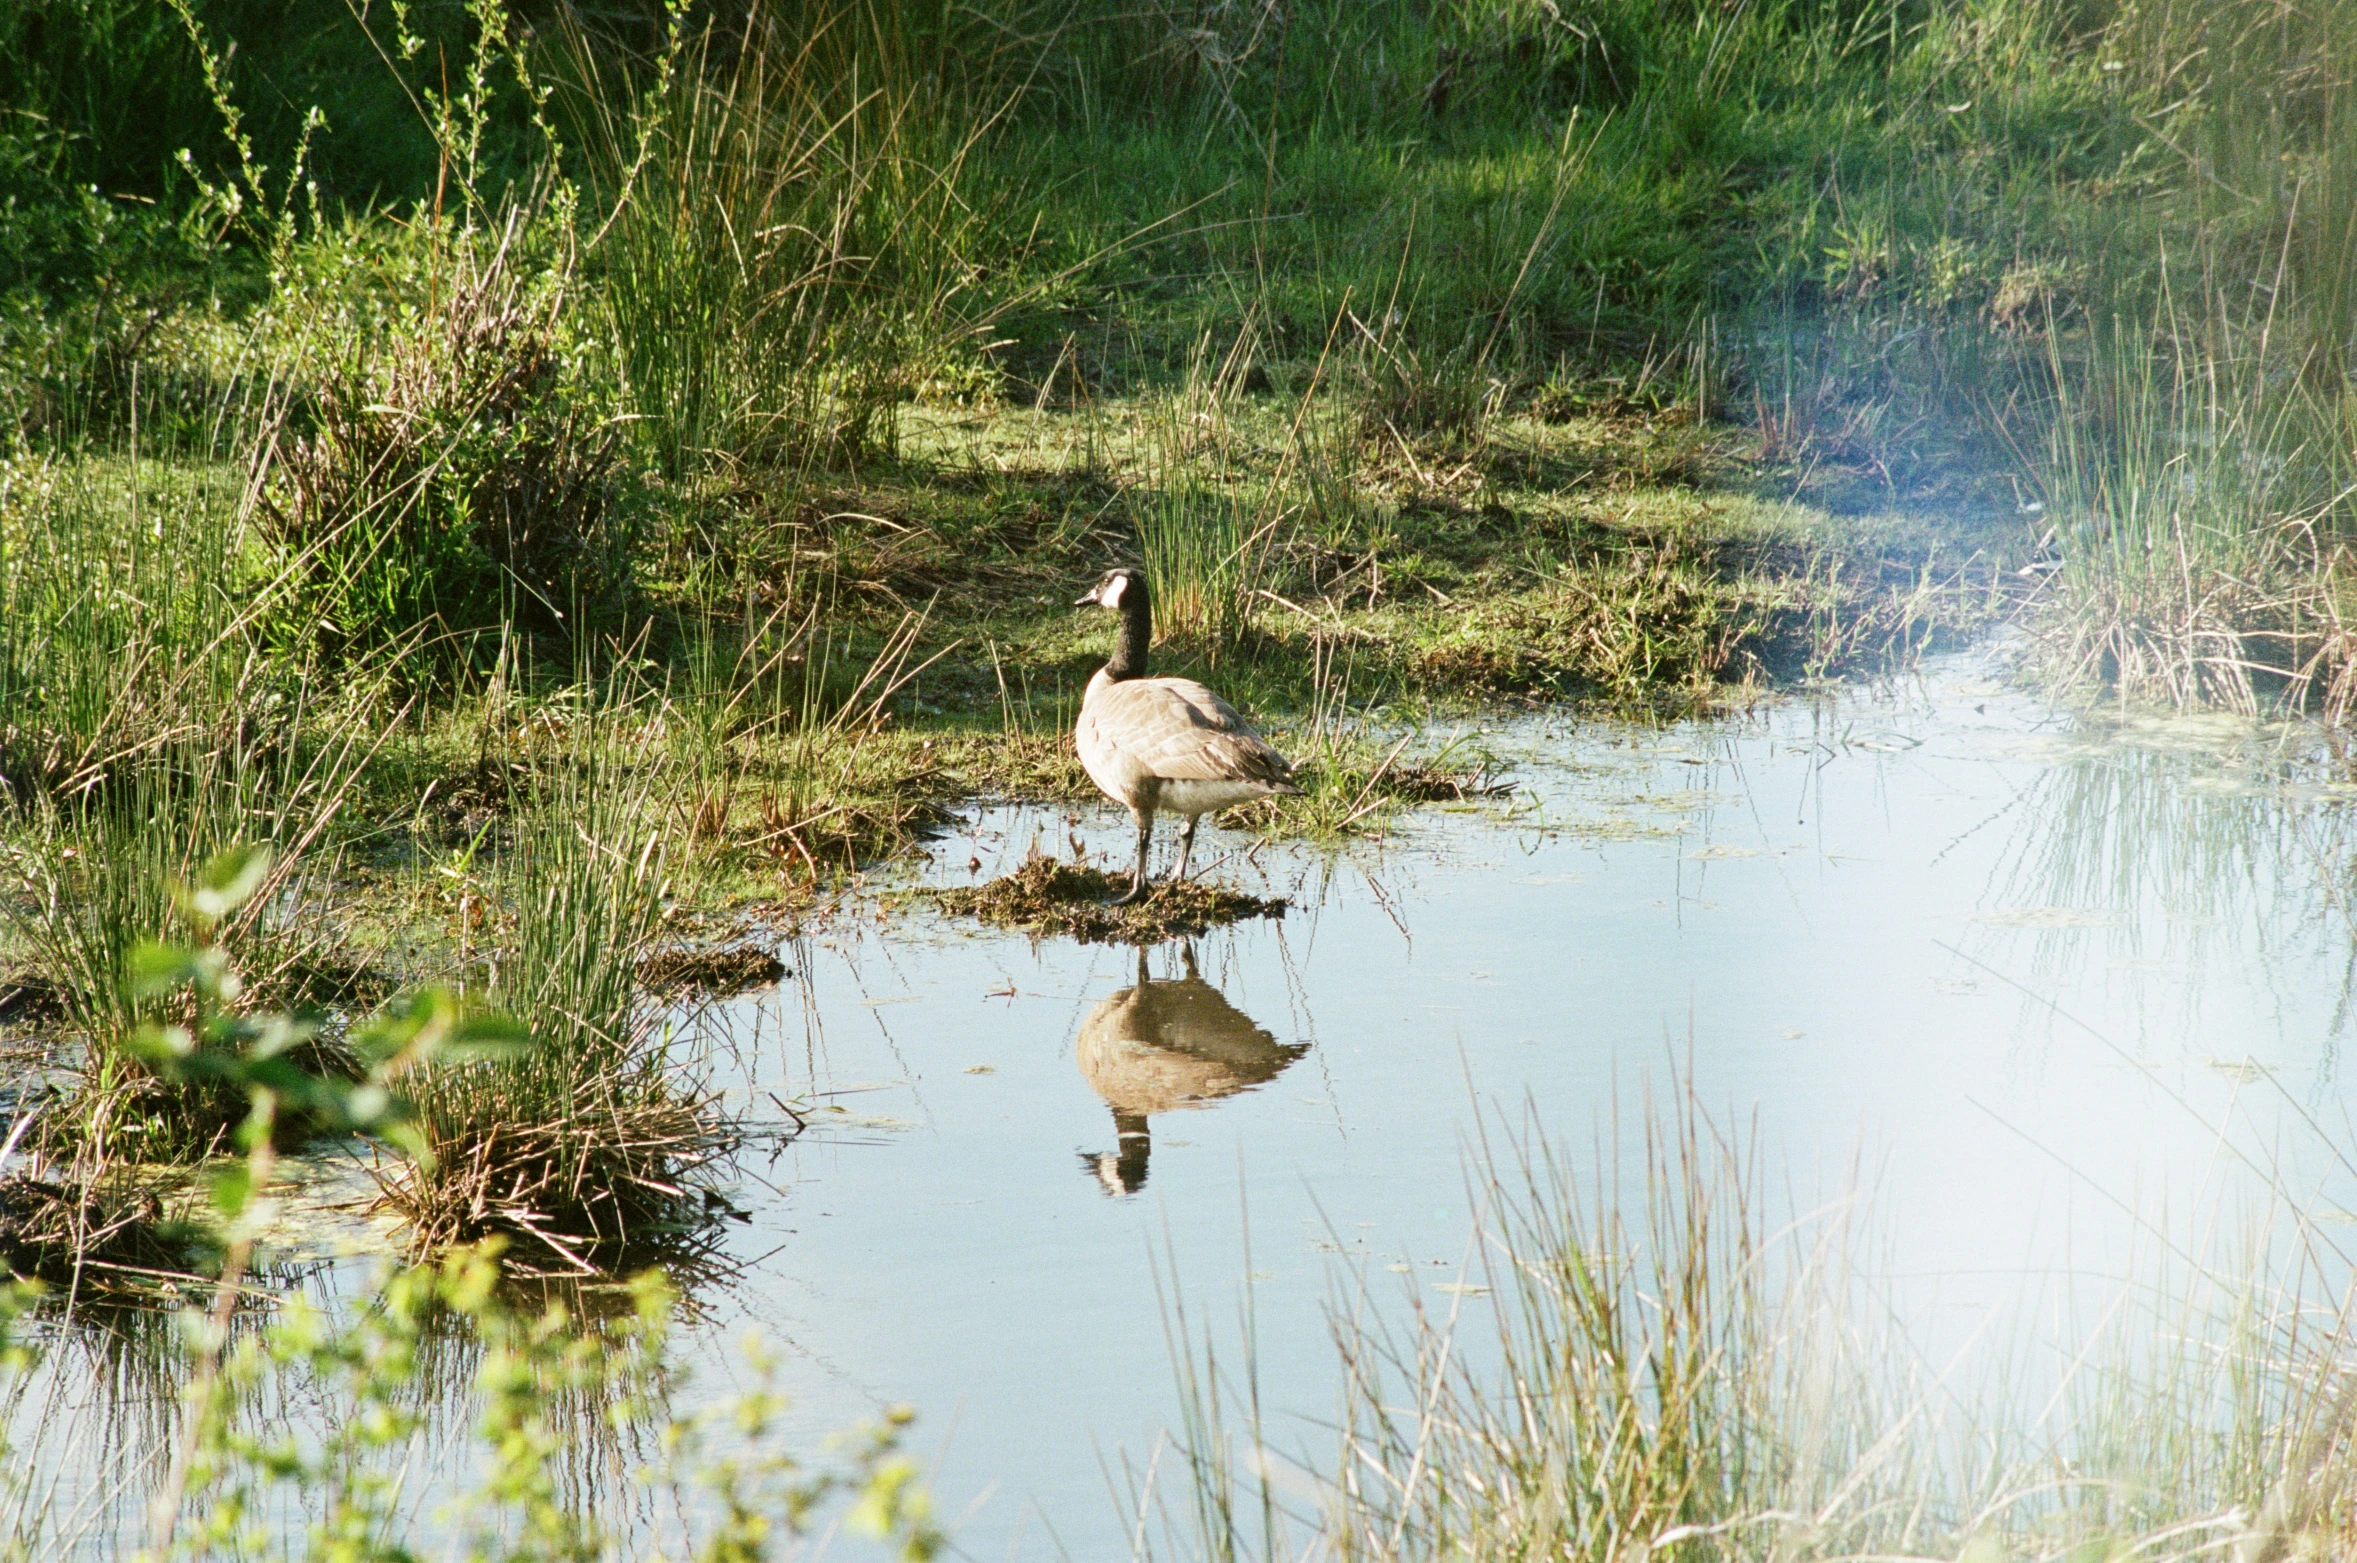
[[1136, 891]]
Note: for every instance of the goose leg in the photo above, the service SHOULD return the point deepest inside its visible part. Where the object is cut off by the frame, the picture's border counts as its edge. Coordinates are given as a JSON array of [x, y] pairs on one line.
[[1137, 881], [1186, 845]]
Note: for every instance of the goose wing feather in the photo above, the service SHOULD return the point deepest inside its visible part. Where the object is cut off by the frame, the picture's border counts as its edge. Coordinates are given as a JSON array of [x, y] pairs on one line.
[[1180, 731]]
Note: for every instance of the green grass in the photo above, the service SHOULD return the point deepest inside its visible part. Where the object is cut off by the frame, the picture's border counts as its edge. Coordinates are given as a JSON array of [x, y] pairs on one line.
[[760, 399], [582, 1148]]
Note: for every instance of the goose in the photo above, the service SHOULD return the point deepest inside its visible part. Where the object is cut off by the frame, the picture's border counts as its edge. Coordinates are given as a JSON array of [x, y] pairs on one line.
[[1165, 743], [1167, 1046]]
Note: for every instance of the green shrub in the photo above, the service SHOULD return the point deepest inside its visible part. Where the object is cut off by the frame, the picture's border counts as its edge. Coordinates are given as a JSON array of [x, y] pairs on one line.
[[454, 477]]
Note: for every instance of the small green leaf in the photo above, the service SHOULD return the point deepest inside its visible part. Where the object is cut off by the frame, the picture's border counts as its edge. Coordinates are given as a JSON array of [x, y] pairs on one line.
[[488, 1035], [233, 1185], [275, 1074], [403, 1135], [229, 881], [365, 1107], [428, 1026], [154, 969], [279, 1033], [393, 1029], [160, 1046]]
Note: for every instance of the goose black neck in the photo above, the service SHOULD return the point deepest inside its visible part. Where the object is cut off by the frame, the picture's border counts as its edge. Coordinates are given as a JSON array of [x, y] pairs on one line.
[[1137, 633], [1137, 1148]]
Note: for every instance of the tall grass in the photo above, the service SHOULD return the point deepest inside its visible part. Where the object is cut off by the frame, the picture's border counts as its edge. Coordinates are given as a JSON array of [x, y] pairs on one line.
[[104, 878], [1684, 1367], [146, 728], [1207, 525], [2198, 476], [1201, 550], [788, 233], [125, 613], [594, 1142]]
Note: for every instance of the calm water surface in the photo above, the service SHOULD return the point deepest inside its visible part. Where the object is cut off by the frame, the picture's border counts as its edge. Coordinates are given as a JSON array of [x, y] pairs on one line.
[[2020, 979]]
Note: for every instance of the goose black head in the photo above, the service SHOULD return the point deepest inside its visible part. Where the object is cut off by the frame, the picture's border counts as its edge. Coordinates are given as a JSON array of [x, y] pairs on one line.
[[1118, 588]]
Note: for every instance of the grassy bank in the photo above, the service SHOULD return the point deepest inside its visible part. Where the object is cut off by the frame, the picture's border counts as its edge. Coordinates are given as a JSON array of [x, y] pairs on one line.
[[424, 422], [574, 486]]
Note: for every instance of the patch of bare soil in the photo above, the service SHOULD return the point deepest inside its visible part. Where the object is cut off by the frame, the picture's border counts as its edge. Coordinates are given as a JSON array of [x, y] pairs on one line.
[[1048, 896], [29, 1000]]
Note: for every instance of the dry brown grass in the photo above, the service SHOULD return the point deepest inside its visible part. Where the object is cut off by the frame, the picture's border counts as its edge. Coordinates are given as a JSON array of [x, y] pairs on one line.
[[580, 1185], [112, 1235]]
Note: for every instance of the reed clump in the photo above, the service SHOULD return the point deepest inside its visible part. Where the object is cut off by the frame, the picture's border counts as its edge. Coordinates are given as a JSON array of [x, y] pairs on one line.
[[600, 1142], [2200, 515], [126, 617], [105, 877]]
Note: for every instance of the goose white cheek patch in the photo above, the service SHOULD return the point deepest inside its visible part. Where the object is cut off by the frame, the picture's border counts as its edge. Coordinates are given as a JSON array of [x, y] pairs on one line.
[[1111, 595]]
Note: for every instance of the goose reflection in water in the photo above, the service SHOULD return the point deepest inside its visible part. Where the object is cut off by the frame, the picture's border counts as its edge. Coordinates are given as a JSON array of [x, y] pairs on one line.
[[1162, 1046]]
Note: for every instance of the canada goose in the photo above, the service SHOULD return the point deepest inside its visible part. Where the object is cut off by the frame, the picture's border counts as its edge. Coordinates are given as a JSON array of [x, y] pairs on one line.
[[1164, 1047], [1165, 743]]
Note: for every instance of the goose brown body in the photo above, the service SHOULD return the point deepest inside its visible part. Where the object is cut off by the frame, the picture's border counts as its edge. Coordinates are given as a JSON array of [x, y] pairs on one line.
[[1165, 744]]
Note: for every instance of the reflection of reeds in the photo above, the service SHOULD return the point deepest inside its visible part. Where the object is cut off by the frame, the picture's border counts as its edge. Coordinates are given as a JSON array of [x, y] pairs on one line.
[[2236, 875], [447, 1411], [89, 1422]]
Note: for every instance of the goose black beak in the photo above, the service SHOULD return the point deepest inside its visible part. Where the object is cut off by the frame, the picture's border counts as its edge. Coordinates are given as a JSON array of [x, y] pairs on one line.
[[1088, 600]]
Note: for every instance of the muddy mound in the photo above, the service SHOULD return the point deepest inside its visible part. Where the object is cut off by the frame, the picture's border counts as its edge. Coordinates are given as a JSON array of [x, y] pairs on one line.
[[52, 1232], [1051, 897], [29, 1000], [717, 972]]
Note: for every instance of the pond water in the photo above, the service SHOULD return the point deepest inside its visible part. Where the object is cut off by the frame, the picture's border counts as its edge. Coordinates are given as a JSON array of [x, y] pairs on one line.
[[2019, 978]]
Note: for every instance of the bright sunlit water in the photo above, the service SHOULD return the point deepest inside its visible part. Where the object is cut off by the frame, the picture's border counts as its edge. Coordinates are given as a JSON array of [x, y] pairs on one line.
[[2027, 984]]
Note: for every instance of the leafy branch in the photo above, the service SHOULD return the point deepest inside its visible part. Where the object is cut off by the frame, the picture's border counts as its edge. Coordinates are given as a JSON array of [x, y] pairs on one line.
[[252, 1054]]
